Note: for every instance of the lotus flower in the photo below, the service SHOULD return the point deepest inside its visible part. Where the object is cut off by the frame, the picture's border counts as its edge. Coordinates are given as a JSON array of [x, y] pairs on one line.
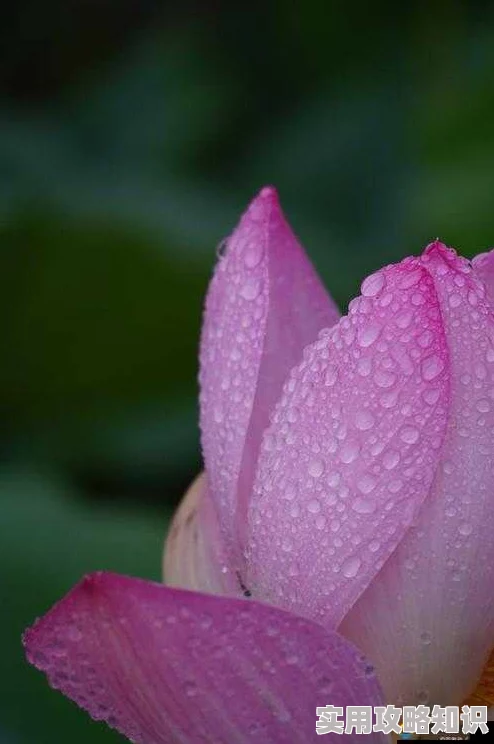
[[344, 514]]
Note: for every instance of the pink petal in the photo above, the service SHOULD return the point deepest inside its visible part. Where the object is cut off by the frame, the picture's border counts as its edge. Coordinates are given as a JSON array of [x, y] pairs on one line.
[[352, 449], [427, 619], [483, 265], [264, 305], [193, 556], [163, 665]]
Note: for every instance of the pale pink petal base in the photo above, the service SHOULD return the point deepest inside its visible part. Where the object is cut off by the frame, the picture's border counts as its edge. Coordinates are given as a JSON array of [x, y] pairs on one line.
[[193, 556], [264, 305], [163, 665], [427, 618], [352, 448]]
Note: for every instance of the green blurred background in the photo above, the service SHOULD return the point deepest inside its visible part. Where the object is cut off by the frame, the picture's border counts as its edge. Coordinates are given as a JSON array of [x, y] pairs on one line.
[[132, 135]]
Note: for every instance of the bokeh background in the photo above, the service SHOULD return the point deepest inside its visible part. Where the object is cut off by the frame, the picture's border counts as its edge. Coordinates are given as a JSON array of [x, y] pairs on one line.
[[132, 135]]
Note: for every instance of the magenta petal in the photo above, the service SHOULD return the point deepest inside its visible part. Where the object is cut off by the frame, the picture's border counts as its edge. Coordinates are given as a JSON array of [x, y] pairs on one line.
[[352, 450], [264, 305], [164, 665], [483, 265], [427, 620]]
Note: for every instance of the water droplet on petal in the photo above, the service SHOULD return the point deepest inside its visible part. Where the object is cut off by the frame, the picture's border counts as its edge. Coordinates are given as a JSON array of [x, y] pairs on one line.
[[253, 255], [314, 506], [351, 566], [426, 638], [316, 468], [364, 420], [431, 367], [373, 284], [409, 434], [391, 460], [366, 483], [410, 279], [368, 334], [290, 492], [483, 406], [349, 451], [364, 506], [431, 396], [384, 379], [250, 289], [331, 375]]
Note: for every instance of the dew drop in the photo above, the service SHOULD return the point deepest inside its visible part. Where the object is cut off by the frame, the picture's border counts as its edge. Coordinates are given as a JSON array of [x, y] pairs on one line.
[[364, 506], [395, 486], [250, 289], [366, 483], [431, 367], [389, 400], [384, 379], [410, 279], [349, 451], [218, 415], [483, 406], [367, 335], [364, 420], [292, 415], [404, 319], [409, 435], [425, 339], [473, 298], [331, 375], [351, 566], [373, 284], [431, 396], [314, 506], [290, 492], [333, 479], [253, 255], [391, 460], [221, 248], [364, 366], [316, 468]]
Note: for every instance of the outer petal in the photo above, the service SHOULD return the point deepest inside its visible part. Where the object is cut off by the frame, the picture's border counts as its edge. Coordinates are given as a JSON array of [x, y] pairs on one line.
[[264, 305], [427, 619], [163, 665], [352, 449], [483, 265], [194, 557]]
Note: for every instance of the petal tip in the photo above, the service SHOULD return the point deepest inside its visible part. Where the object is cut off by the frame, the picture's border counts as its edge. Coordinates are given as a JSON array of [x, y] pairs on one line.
[[269, 192], [438, 253], [91, 582], [437, 247], [264, 204]]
